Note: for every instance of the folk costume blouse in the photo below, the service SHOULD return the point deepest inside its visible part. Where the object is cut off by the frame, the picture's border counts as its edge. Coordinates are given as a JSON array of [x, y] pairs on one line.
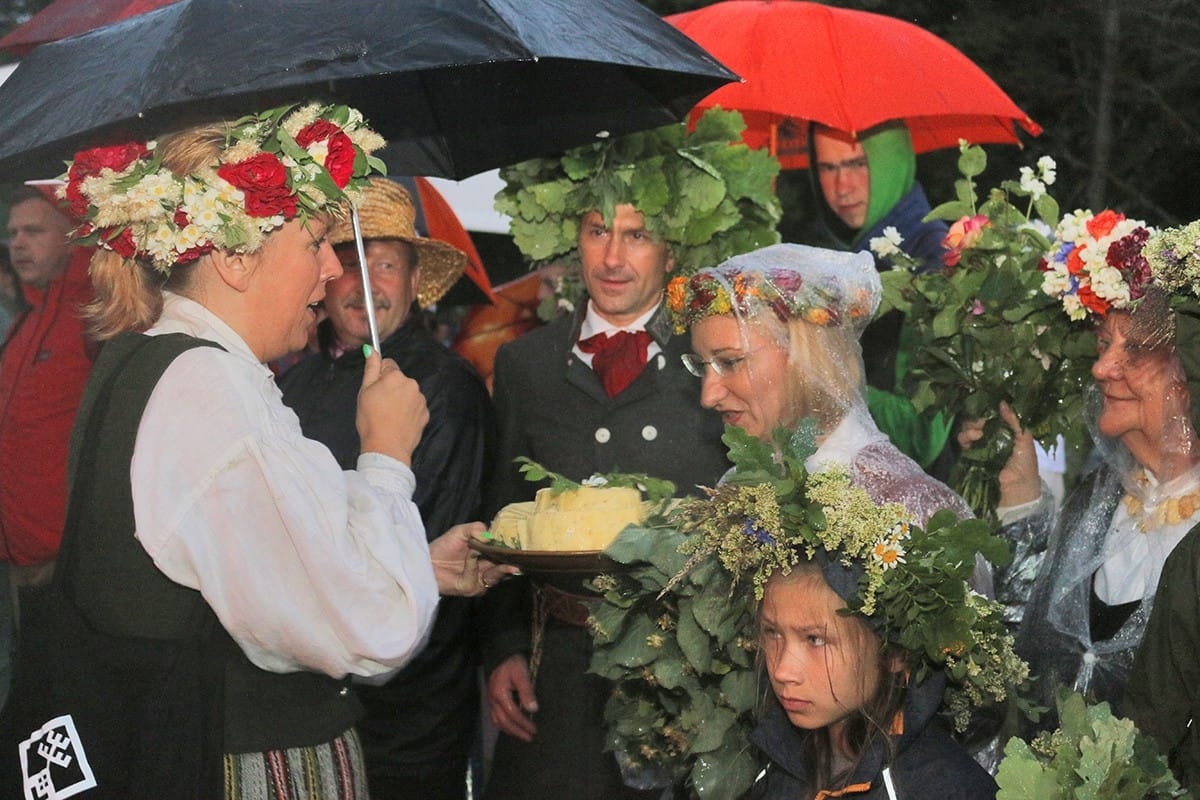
[[879, 467], [307, 566], [1095, 589], [889, 476]]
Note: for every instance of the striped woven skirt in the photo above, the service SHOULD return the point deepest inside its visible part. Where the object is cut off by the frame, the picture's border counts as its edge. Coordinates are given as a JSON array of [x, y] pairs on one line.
[[331, 771]]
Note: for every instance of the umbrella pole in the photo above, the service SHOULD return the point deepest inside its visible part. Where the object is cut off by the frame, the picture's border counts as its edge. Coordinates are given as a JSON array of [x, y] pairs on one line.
[[368, 298]]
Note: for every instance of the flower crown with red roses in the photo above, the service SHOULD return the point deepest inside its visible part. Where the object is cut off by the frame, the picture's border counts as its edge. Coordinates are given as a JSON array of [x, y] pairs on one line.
[[286, 163], [792, 281], [1095, 263]]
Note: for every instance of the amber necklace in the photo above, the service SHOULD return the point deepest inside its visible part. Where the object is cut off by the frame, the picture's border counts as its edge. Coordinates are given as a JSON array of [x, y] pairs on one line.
[[1169, 511]]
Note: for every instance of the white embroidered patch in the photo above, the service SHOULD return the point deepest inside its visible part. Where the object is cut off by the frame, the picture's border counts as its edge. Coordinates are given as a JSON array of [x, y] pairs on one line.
[[54, 765]]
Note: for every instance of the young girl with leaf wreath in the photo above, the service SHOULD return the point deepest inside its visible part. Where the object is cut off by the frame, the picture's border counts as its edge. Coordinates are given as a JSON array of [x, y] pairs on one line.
[[846, 716], [873, 641]]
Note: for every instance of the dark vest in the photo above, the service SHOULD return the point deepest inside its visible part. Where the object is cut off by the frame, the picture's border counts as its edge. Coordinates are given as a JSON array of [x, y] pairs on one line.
[[117, 587]]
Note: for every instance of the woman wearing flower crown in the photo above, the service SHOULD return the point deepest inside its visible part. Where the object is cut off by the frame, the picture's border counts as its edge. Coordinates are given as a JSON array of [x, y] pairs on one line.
[[1095, 588], [212, 241], [775, 334]]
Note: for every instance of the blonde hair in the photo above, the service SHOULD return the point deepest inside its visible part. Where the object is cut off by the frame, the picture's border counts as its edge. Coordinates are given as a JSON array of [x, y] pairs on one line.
[[825, 375], [128, 291]]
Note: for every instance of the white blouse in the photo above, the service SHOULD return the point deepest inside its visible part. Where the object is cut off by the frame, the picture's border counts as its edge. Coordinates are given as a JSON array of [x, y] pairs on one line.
[[1143, 533], [307, 566]]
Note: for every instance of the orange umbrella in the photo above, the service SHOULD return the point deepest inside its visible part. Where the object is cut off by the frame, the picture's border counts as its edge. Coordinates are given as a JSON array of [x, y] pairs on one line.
[[847, 69], [442, 223], [484, 328]]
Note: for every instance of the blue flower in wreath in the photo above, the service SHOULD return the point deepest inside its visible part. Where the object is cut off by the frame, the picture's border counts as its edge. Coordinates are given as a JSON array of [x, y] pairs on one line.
[[762, 535]]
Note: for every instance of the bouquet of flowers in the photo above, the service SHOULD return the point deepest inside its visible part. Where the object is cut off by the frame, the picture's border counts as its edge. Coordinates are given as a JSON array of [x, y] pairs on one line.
[[985, 330], [675, 630], [1092, 754]]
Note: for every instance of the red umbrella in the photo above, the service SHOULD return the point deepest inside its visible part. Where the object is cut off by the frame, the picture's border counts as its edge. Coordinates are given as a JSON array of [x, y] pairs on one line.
[[64, 18], [849, 70]]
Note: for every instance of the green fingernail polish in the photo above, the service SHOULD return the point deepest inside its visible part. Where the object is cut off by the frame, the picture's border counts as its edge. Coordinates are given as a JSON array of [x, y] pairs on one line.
[[367, 351]]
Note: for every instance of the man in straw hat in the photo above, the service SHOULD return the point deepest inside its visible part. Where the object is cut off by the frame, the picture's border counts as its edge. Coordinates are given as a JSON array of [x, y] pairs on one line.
[[419, 727]]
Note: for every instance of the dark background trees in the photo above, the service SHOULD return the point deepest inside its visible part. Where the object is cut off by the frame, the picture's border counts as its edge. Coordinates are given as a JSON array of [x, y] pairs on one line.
[[1116, 85]]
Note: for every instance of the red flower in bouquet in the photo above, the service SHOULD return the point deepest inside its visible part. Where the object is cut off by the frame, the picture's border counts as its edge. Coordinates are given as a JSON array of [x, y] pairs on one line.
[[963, 234], [1095, 262]]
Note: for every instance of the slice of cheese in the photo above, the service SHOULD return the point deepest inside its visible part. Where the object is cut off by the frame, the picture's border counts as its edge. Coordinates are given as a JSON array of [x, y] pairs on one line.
[[585, 518], [511, 525]]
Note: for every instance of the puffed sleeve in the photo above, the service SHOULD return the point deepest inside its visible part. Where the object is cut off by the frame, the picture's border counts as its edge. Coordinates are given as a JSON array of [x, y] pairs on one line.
[[306, 565]]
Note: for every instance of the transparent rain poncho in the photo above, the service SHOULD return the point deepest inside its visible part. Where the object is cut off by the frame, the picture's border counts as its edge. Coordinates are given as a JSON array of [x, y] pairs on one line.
[[783, 325], [1108, 543]]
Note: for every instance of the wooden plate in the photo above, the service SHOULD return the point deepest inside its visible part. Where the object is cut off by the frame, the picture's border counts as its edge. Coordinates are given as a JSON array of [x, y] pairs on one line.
[[586, 561]]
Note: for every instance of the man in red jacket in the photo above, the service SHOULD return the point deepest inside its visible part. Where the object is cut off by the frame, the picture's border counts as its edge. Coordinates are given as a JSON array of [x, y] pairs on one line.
[[43, 368]]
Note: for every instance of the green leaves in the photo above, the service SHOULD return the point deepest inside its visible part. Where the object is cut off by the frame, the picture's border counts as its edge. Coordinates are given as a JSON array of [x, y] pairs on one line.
[[1022, 776], [655, 489], [972, 161], [983, 330], [705, 192], [1092, 756], [685, 686]]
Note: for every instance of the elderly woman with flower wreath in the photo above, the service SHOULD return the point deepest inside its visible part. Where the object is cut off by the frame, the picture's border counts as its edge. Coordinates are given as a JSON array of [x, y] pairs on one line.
[[217, 566], [1163, 692], [1094, 590]]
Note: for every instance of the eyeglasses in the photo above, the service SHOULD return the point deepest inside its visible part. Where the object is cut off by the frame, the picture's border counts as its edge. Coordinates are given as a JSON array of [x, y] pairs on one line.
[[849, 165], [723, 366]]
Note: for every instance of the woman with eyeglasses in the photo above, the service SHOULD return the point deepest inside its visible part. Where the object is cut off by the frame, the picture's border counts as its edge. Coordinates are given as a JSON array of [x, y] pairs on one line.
[[775, 339]]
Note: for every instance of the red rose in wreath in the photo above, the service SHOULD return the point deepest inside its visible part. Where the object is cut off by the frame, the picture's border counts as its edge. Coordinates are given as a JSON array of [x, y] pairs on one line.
[[120, 243], [263, 181], [87, 163], [316, 131], [193, 253], [340, 159], [339, 155]]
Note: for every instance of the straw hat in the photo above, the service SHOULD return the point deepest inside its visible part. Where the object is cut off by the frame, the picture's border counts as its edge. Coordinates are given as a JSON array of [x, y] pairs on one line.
[[386, 211]]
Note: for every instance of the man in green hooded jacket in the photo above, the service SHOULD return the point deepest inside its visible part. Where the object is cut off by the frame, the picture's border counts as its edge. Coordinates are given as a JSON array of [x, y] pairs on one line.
[[864, 184]]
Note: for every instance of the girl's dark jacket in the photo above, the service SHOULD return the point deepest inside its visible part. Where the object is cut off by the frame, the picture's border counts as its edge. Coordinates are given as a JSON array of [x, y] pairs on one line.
[[928, 763]]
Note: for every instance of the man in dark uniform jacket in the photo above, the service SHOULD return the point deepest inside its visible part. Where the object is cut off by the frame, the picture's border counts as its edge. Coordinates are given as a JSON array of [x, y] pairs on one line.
[[420, 725], [553, 406]]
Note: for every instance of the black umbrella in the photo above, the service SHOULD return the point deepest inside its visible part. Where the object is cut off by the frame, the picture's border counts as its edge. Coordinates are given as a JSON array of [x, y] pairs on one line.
[[457, 86]]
